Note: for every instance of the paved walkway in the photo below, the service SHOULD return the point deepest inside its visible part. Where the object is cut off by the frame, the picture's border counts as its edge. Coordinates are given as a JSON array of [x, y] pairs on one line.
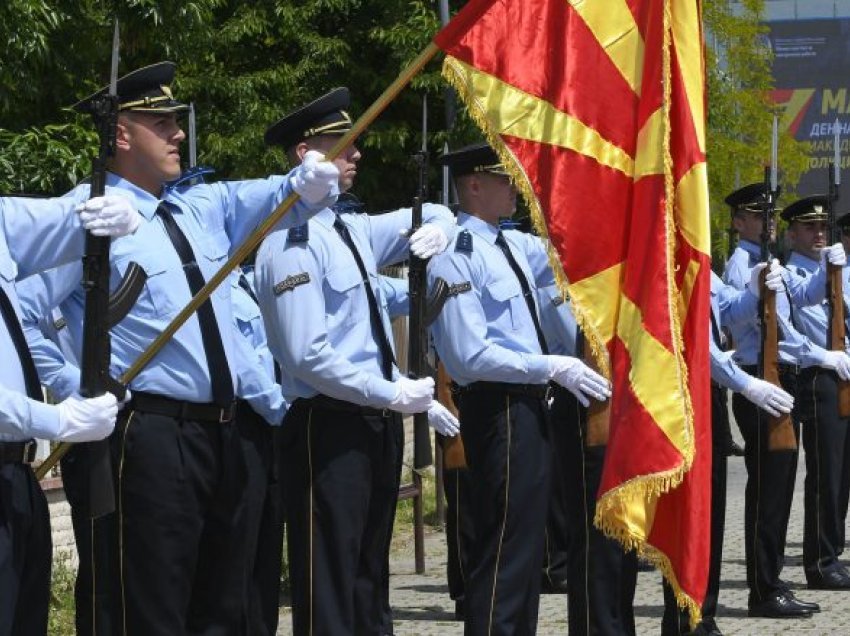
[[422, 606]]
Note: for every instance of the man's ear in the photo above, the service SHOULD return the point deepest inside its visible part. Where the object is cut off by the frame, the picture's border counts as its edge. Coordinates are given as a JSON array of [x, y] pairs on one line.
[[122, 135], [301, 150], [737, 223]]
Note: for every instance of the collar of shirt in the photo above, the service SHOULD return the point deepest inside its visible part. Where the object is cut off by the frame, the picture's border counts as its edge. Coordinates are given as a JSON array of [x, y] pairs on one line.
[[325, 218], [478, 227], [146, 203], [753, 249]]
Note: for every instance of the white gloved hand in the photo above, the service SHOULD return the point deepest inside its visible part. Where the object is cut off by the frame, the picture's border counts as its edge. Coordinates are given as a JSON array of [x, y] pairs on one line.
[[413, 396], [442, 420], [579, 379], [428, 240], [315, 179], [768, 397], [773, 280], [834, 255], [86, 419], [110, 215], [839, 362]]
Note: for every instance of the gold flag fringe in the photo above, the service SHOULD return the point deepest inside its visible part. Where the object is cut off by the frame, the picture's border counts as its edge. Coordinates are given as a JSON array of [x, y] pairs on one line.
[[646, 487]]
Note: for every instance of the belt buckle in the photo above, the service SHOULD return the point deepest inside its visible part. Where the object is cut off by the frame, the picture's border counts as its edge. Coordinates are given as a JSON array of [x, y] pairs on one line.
[[30, 449], [225, 414]]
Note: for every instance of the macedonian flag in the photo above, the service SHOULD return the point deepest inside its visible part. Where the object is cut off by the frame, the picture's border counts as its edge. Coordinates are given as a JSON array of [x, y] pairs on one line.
[[597, 107]]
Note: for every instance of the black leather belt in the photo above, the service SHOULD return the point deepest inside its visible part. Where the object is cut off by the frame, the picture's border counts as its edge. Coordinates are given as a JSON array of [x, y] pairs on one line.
[[198, 411], [791, 369], [538, 391], [333, 404], [18, 452]]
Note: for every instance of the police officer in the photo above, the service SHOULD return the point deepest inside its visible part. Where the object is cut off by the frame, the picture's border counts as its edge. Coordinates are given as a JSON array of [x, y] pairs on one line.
[[601, 576], [825, 434], [38, 233], [770, 473], [728, 306], [262, 408], [179, 469], [328, 327], [489, 338]]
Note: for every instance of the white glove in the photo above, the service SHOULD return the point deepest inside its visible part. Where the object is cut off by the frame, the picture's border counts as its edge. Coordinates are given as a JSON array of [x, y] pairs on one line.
[[579, 379], [414, 396], [110, 215], [768, 397], [441, 420], [773, 280], [315, 179], [834, 255], [839, 362], [86, 419], [428, 240]]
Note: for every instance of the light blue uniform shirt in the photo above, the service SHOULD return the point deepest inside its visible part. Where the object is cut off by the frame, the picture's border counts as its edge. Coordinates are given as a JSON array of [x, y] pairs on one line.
[[794, 348], [34, 234], [485, 331], [557, 321], [313, 301], [256, 382], [811, 321], [214, 217], [396, 293], [728, 306]]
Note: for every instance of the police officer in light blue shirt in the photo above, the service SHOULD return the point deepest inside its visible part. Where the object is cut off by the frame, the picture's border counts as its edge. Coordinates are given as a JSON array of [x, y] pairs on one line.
[[34, 234], [825, 429], [728, 306], [489, 338], [179, 472], [770, 473], [328, 327]]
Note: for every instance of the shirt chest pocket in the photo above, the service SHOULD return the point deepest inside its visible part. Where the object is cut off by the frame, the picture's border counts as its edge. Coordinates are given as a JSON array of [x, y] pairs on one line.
[[163, 289], [214, 249], [8, 269], [505, 305], [344, 300]]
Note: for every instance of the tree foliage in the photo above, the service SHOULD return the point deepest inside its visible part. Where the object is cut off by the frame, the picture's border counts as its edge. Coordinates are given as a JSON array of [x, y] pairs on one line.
[[245, 65], [740, 111]]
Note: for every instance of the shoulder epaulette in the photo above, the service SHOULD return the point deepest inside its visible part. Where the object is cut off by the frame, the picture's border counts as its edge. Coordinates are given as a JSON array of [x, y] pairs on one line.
[[299, 234], [464, 242]]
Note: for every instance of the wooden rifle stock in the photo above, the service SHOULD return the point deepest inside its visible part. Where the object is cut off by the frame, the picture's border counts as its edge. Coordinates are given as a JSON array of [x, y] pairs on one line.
[[454, 455], [781, 434], [837, 330]]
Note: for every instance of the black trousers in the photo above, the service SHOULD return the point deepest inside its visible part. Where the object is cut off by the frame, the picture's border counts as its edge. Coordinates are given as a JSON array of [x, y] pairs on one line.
[[768, 494], [179, 559], [827, 442], [341, 479], [460, 533], [675, 620], [509, 457], [262, 519], [601, 575], [556, 541], [26, 553]]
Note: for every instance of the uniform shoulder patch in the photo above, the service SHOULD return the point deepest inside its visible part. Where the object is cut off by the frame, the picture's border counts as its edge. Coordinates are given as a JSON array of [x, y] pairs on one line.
[[291, 282], [459, 288], [299, 234], [802, 272], [60, 323], [464, 241], [559, 300]]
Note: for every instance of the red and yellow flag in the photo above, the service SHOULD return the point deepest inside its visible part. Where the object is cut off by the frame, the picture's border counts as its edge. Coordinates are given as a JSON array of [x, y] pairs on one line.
[[597, 107]]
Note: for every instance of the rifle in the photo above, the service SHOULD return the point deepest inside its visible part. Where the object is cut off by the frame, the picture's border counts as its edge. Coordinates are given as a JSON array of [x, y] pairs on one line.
[[417, 363], [836, 329], [103, 311], [780, 429]]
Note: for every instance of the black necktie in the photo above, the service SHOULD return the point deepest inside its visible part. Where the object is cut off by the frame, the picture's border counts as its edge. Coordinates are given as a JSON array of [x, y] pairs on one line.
[[715, 330], [222, 384], [387, 358], [526, 290], [13, 325]]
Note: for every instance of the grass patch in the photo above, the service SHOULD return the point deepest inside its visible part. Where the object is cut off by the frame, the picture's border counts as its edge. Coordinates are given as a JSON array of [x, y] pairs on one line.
[[60, 620]]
